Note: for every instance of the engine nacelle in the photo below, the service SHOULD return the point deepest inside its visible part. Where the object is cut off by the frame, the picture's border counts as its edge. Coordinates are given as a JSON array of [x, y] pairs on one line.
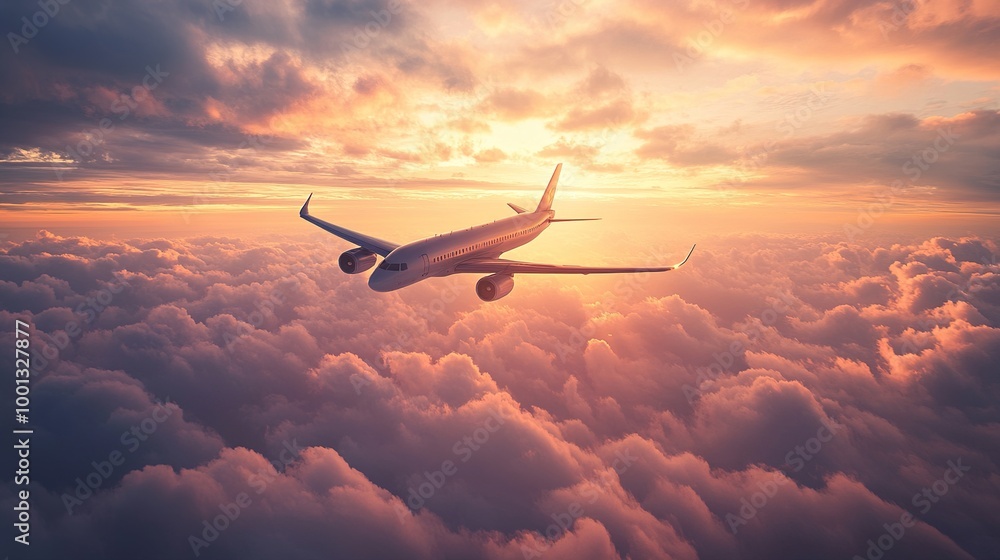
[[357, 260], [494, 286]]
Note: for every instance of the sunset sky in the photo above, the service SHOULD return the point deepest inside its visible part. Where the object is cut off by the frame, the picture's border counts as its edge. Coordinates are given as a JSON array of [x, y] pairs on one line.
[[826, 358], [769, 108]]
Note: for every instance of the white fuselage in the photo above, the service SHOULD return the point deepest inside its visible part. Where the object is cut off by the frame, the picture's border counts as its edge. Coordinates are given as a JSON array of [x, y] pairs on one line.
[[438, 255]]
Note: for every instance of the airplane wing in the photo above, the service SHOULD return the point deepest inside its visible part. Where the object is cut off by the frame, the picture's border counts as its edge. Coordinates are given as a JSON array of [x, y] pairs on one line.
[[373, 244], [519, 267]]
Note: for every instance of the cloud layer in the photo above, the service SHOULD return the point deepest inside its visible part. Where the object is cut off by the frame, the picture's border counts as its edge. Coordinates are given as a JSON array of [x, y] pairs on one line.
[[783, 394]]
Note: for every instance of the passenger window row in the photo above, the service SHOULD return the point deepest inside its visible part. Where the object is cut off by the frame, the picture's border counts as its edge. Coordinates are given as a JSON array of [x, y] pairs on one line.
[[483, 244]]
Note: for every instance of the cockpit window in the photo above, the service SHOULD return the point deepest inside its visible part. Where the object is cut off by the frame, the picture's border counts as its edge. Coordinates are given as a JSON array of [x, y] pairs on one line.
[[395, 267]]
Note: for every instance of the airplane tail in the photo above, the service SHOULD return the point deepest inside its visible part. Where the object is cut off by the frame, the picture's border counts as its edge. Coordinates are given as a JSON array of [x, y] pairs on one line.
[[550, 191]]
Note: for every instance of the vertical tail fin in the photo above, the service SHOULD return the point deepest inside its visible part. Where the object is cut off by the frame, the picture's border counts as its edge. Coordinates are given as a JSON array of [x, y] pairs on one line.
[[550, 191]]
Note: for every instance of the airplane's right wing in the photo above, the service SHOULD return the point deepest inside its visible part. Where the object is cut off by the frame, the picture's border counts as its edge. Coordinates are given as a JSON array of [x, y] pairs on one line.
[[373, 244], [505, 266]]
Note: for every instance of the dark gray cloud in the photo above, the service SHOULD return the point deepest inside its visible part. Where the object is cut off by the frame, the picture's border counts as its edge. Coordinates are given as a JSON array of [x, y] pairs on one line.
[[957, 153], [71, 88]]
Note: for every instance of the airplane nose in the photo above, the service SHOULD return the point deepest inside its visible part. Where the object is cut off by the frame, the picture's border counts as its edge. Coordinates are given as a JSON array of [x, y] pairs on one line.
[[377, 281]]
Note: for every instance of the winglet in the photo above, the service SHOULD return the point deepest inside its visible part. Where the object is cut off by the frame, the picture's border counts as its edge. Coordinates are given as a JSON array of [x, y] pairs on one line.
[[305, 207], [680, 264]]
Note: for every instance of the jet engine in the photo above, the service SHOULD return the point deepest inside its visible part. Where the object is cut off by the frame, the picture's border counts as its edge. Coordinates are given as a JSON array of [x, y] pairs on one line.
[[357, 260], [494, 286]]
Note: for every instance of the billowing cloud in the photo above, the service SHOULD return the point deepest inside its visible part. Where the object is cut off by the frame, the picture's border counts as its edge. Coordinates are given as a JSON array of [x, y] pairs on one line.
[[825, 395]]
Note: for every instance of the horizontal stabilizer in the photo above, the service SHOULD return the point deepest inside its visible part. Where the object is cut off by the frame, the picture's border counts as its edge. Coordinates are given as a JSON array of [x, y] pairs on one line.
[[516, 208], [573, 219]]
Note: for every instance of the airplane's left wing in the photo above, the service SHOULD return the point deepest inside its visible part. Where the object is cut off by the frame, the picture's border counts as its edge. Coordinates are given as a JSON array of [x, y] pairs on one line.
[[505, 266], [373, 244]]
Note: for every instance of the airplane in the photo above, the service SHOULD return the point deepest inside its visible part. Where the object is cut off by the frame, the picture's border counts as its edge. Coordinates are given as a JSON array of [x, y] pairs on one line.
[[474, 250]]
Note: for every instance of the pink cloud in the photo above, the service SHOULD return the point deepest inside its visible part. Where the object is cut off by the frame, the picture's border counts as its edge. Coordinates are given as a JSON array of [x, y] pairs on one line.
[[549, 404]]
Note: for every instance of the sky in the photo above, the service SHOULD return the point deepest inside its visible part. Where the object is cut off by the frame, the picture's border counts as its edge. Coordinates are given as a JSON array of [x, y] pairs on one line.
[[818, 381], [179, 115]]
